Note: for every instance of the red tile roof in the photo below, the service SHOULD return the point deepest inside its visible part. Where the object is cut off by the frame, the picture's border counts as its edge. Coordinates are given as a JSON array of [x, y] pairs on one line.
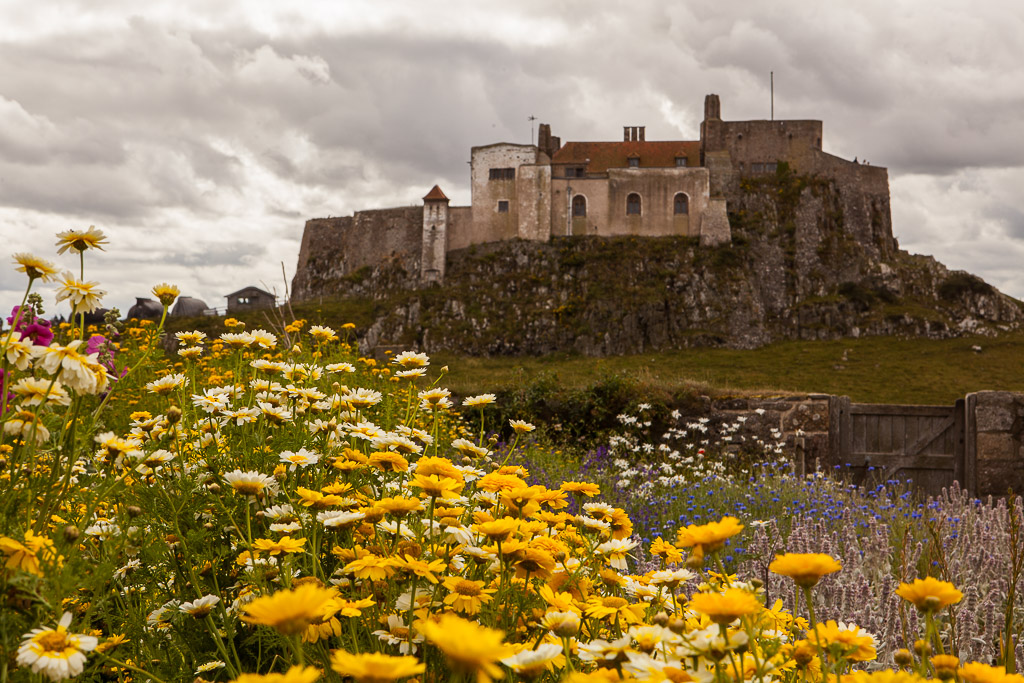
[[435, 193], [605, 155]]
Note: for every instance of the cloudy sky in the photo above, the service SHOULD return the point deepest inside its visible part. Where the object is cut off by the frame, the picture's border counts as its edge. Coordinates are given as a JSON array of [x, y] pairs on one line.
[[201, 135]]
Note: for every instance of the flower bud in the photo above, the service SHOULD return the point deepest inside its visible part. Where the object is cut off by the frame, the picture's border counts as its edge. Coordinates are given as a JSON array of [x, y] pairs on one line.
[[173, 414], [71, 533], [903, 658], [134, 511], [660, 619]]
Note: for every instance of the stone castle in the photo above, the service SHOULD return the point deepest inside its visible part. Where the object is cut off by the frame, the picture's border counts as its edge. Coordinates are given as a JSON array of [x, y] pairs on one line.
[[633, 187]]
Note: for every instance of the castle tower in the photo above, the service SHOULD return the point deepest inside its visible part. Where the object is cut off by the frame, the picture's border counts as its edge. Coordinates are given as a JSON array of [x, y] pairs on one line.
[[435, 236]]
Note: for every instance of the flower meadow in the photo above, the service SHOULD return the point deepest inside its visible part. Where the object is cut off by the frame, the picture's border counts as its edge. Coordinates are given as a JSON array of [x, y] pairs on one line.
[[270, 506]]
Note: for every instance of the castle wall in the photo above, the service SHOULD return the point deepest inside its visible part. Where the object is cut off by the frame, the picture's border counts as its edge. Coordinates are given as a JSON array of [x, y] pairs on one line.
[[864, 193], [490, 221], [461, 232], [335, 247], [754, 142], [533, 187]]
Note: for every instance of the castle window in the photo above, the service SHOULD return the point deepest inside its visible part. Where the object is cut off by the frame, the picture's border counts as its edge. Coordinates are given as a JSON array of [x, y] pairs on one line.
[[633, 204], [503, 174], [575, 172], [634, 162], [757, 168], [579, 205], [680, 161], [503, 206], [771, 167], [681, 205]]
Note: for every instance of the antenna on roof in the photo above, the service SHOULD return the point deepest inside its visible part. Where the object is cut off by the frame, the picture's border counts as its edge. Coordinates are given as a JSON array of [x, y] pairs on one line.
[[531, 118], [773, 94]]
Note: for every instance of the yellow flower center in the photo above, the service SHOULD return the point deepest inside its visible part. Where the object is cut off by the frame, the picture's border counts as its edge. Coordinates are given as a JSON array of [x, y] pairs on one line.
[[614, 603], [54, 641], [247, 488], [467, 588]]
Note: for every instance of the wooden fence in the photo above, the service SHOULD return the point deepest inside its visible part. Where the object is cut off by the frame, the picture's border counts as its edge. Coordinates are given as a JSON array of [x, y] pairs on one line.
[[925, 444]]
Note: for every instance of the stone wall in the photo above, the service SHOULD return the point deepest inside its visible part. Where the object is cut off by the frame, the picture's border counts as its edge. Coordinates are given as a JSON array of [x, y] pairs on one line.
[[993, 432], [335, 248], [994, 429]]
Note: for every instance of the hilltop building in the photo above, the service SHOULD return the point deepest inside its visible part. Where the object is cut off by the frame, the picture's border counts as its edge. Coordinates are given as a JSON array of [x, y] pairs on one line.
[[628, 187]]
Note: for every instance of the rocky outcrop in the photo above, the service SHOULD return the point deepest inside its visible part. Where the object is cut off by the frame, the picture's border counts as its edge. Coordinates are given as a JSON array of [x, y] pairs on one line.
[[796, 269]]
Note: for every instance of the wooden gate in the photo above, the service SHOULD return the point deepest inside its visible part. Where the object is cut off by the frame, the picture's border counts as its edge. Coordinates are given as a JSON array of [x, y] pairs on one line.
[[876, 443]]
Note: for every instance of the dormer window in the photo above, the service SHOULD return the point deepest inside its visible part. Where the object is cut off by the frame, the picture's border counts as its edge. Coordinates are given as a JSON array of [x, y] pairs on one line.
[[575, 172], [634, 162], [681, 161]]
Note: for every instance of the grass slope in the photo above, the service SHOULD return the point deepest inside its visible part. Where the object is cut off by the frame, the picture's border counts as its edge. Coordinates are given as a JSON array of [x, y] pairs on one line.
[[869, 370]]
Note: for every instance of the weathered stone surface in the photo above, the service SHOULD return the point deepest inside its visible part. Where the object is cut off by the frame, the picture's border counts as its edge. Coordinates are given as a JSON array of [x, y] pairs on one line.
[[808, 417], [994, 446], [997, 476]]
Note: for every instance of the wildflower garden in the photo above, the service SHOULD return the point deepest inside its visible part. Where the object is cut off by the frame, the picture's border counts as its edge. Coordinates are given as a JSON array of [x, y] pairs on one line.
[[269, 506]]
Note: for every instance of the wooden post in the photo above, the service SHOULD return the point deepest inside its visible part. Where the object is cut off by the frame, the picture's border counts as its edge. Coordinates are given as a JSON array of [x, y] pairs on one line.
[[970, 437]]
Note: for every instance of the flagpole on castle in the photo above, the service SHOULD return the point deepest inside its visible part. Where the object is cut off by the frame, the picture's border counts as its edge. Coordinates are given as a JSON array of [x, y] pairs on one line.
[[773, 95], [531, 118]]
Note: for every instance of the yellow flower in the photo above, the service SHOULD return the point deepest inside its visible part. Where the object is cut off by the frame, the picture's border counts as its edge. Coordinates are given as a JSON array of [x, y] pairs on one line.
[[929, 594], [844, 640], [498, 529], [35, 267], [80, 241], [419, 567], [666, 551], [371, 567], [584, 488], [286, 544], [166, 293], [726, 607], [614, 608], [884, 676], [288, 611], [806, 569], [469, 647], [375, 667], [388, 461], [296, 674], [707, 538], [976, 672], [25, 556], [399, 507], [465, 595], [945, 666], [434, 486]]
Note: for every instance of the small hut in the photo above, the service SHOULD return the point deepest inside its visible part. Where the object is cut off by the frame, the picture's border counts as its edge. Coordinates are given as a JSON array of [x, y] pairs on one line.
[[190, 307], [249, 298], [145, 309]]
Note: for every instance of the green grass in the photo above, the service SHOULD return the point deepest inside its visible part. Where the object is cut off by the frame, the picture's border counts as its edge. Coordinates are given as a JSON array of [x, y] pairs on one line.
[[876, 369]]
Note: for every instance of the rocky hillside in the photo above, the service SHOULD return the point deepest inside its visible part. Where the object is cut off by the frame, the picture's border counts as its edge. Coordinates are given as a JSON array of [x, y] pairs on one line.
[[795, 270]]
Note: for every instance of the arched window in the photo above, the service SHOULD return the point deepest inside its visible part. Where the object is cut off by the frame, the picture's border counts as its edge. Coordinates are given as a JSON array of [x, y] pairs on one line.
[[633, 204], [579, 205], [681, 206]]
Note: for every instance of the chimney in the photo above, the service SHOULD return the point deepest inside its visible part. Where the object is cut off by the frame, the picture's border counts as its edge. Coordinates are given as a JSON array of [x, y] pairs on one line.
[[642, 133], [625, 133]]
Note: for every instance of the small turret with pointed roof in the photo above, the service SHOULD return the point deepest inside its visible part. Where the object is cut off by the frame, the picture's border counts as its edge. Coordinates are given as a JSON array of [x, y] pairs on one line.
[[435, 194], [435, 235]]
